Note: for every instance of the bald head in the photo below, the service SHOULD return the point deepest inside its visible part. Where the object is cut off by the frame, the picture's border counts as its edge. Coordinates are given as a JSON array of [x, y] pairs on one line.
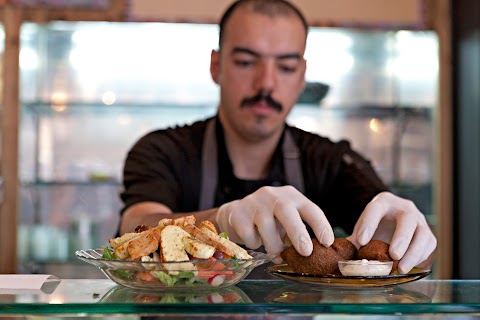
[[270, 8]]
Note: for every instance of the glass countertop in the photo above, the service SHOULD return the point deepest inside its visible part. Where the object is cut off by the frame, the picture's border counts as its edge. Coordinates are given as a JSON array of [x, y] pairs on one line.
[[253, 297]]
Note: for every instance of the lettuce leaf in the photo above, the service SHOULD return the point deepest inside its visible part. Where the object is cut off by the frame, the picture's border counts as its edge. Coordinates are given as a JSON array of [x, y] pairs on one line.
[[171, 279], [107, 254]]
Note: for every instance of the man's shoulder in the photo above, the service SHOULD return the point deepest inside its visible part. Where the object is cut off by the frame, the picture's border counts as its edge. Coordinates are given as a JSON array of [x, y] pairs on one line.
[[312, 142], [302, 136], [173, 140]]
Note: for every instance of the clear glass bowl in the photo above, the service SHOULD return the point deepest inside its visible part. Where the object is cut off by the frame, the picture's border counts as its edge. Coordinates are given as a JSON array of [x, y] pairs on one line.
[[192, 274]]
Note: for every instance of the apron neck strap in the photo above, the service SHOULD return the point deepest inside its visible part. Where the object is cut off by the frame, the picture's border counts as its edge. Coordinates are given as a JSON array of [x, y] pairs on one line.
[[291, 162]]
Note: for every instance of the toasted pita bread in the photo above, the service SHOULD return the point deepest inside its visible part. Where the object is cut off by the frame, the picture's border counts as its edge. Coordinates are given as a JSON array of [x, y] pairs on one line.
[[196, 248], [121, 252], [182, 221], [144, 244], [237, 251], [117, 242], [209, 225], [172, 249], [208, 239]]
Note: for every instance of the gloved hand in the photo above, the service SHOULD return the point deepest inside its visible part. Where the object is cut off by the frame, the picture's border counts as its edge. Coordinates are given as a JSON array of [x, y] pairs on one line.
[[271, 213], [397, 221]]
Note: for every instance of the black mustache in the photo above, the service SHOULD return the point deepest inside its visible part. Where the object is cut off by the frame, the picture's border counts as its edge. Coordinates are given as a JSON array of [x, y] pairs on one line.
[[267, 97]]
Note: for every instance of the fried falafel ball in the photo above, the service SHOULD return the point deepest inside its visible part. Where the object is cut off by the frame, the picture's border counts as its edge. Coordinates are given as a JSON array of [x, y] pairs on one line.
[[344, 248], [323, 260], [377, 250]]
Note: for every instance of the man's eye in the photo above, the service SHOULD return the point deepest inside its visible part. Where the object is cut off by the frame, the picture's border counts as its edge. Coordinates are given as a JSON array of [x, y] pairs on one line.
[[287, 69], [243, 63]]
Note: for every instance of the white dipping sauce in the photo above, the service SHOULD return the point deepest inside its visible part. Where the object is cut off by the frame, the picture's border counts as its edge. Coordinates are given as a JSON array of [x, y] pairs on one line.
[[365, 267]]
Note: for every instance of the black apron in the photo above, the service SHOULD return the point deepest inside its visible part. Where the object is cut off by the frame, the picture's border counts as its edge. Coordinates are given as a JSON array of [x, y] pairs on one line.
[[291, 162]]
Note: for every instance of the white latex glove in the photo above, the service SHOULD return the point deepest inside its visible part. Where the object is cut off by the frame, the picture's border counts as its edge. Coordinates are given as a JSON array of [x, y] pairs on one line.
[[396, 221], [270, 213]]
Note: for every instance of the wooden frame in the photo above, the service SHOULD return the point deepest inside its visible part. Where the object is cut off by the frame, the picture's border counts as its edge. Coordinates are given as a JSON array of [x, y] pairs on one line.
[[12, 20], [440, 21], [13, 17]]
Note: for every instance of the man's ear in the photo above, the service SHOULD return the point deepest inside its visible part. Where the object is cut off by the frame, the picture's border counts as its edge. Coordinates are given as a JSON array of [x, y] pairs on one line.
[[215, 65]]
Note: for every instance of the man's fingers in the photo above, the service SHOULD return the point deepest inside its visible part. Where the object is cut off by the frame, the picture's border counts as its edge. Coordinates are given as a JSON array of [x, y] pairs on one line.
[[408, 223], [251, 237], [368, 222], [244, 226], [353, 240], [421, 247], [405, 229], [268, 230], [316, 219], [289, 218], [398, 222]]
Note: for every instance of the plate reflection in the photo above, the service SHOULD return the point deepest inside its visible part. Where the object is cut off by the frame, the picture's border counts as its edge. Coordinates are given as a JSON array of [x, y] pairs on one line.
[[304, 294], [121, 294]]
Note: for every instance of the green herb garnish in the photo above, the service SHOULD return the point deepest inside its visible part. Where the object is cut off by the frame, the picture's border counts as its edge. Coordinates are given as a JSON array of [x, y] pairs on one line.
[[224, 235], [107, 254]]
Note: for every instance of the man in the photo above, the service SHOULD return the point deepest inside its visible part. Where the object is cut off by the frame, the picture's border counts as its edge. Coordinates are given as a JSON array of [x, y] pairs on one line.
[[260, 180]]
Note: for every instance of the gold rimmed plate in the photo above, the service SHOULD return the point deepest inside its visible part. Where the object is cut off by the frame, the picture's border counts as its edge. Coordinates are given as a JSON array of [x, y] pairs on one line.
[[284, 272]]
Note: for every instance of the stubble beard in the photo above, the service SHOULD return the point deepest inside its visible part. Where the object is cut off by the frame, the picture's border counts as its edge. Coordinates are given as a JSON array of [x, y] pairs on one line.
[[260, 131], [255, 130]]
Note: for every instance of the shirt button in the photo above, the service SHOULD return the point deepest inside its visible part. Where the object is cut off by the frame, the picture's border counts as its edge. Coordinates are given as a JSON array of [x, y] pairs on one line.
[[227, 190]]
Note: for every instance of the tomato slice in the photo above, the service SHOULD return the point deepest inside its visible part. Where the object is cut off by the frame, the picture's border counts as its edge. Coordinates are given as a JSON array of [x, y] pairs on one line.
[[145, 276], [207, 264], [207, 274]]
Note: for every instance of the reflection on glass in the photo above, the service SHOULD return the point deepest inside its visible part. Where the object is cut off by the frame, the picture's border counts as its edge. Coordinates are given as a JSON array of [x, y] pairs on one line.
[[2, 38], [306, 294], [170, 63]]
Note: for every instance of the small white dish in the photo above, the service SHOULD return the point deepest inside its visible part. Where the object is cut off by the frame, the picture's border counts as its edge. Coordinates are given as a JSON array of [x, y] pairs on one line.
[[365, 268]]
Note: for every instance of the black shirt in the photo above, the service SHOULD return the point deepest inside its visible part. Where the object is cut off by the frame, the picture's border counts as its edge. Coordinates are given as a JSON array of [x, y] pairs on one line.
[[232, 188], [165, 166]]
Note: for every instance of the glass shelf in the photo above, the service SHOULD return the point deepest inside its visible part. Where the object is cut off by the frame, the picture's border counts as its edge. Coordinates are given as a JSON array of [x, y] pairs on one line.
[[52, 108], [41, 183], [250, 297], [58, 163]]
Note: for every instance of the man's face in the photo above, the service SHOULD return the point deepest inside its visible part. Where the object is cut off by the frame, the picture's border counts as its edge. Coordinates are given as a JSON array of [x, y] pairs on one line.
[[260, 71]]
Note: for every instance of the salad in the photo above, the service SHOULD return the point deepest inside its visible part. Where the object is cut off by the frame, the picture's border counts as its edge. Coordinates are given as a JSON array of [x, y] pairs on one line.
[[178, 252]]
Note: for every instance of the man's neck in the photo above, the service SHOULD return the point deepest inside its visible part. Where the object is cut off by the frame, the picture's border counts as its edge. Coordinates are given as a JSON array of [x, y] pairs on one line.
[[250, 159]]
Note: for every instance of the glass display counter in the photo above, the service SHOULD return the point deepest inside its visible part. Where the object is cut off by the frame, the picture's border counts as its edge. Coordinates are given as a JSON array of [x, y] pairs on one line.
[[255, 299]]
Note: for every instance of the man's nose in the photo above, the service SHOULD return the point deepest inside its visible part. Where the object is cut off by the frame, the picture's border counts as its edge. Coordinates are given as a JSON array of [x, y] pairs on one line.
[[265, 78]]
